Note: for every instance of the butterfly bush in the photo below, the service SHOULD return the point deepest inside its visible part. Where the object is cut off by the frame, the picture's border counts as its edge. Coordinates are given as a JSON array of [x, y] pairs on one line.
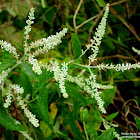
[[60, 71]]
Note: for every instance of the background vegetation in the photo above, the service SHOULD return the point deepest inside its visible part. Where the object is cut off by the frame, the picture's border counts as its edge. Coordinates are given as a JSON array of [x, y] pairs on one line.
[[122, 34]]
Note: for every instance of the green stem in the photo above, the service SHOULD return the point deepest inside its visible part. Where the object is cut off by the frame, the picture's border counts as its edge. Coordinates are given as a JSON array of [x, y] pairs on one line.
[[85, 131]]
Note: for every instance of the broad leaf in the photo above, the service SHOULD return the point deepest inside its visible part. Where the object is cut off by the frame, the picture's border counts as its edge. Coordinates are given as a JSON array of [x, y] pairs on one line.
[[76, 45], [10, 123], [94, 117], [107, 135], [5, 64], [28, 70], [26, 84], [108, 96], [42, 103], [91, 131], [19, 45], [42, 80], [75, 93], [112, 116]]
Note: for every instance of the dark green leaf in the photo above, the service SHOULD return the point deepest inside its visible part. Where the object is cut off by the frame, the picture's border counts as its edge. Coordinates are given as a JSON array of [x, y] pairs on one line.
[[112, 116], [107, 135], [94, 117], [10, 123], [42, 80], [42, 103], [26, 84], [76, 45], [7, 63], [75, 93], [26, 67], [108, 96], [19, 45]]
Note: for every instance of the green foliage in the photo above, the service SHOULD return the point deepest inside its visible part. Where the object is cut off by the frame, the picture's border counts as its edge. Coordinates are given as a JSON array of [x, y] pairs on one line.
[[76, 45], [78, 116], [10, 123], [112, 116], [28, 70]]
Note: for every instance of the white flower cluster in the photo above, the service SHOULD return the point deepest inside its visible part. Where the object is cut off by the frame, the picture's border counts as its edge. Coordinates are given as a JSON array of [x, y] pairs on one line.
[[3, 75], [36, 66], [21, 102], [56, 69], [8, 100], [28, 27], [25, 134], [119, 67], [136, 50], [62, 78], [99, 100], [8, 47], [48, 43], [32, 118], [108, 125], [96, 41]]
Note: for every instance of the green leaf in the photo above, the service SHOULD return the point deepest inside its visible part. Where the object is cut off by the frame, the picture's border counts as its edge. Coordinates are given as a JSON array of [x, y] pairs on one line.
[[75, 93], [107, 135], [112, 116], [19, 45], [101, 3], [10, 123], [69, 120], [137, 122], [91, 131], [26, 84], [42, 103], [42, 80], [26, 67], [94, 117], [5, 64], [83, 114], [76, 45], [108, 95]]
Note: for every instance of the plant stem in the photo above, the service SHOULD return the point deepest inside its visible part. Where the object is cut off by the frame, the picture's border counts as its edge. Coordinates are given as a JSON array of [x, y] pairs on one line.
[[85, 131]]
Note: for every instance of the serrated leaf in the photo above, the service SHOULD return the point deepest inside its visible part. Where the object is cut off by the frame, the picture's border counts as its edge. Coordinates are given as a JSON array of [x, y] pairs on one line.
[[26, 67], [5, 64], [42, 80], [26, 84], [42, 103], [10, 123], [75, 93], [101, 3], [107, 135], [112, 116], [19, 45], [76, 45]]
